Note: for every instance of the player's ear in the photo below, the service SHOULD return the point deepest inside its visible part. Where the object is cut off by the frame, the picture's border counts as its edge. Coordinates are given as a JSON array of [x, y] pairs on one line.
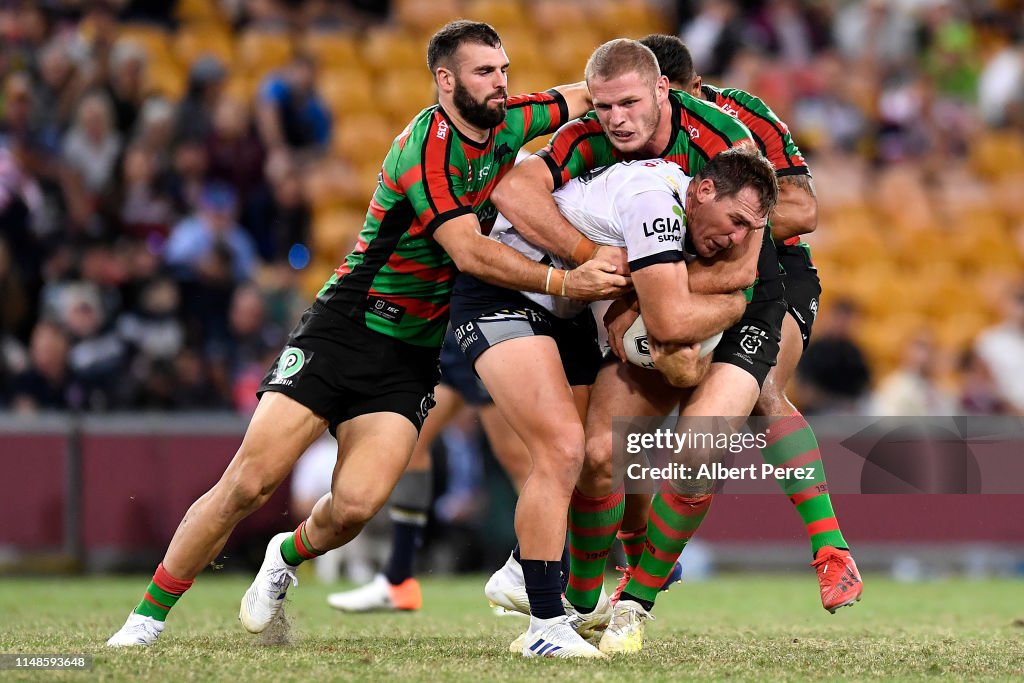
[[661, 87], [445, 79], [705, 191], [695, 85]]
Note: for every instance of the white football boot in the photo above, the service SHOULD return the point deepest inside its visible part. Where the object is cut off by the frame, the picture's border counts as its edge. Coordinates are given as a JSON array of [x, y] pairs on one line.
[[379, 596], [507, 588], [138, 631], [265, 597], [556, 638], [587, 624], [625, 632]]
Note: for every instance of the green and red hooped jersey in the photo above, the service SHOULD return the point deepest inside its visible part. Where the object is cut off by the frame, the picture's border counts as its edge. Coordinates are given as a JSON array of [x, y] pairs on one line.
[[770, 133], [700, 130], [398, 280]]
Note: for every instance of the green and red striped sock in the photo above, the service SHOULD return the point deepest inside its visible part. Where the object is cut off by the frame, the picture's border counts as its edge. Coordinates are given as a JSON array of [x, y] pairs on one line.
[[791, 443], [162, 594], [296, 549], [673, 521], [593, 523], [633, 544]]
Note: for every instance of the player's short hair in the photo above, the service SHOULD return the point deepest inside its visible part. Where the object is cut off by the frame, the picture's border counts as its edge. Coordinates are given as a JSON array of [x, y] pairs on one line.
[[674, 58], [622, 56], [446, 42], [741, 167]]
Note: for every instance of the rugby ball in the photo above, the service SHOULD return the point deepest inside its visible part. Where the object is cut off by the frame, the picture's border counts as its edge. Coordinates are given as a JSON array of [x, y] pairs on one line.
[[638, 350]]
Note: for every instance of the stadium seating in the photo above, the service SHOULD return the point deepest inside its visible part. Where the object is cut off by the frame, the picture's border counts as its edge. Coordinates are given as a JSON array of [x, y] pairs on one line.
[[375, 81]]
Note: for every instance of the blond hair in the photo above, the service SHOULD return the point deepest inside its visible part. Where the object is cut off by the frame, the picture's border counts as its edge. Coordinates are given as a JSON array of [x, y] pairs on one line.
[[622, 56]]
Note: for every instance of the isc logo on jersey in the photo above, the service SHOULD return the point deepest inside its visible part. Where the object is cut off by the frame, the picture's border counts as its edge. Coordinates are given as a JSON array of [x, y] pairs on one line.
[[442, 130]]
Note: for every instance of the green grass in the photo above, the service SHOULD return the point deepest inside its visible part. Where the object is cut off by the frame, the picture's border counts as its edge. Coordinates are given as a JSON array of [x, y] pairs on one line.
[[743, 628]]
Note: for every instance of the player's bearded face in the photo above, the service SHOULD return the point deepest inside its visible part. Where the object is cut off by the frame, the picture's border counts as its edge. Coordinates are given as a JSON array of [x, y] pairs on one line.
[[487, 111]]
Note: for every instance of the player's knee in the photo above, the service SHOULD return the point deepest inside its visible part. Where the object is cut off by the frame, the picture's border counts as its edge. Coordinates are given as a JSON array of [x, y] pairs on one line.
[[353, 512], [597, 467], [561, 455], [247, 490], [772, 401]]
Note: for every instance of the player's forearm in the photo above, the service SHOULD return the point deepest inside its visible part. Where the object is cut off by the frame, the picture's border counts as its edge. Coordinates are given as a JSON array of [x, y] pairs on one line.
[[796, 212], [698, 317], [533, 212], [577, 98], [733, 270], [500, 265]]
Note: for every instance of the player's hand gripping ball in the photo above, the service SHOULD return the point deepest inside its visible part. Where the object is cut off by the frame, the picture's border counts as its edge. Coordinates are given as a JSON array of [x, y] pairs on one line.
[[638, 349]]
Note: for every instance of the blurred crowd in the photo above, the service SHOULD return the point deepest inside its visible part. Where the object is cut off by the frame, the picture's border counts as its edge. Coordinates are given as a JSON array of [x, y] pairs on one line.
[[156, 248]]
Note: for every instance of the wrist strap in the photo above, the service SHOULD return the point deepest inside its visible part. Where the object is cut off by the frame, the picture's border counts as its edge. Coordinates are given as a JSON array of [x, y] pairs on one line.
[[583, 251]]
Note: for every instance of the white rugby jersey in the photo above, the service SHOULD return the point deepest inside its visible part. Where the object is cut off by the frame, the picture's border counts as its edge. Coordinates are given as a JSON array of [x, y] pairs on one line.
[[633, 204]]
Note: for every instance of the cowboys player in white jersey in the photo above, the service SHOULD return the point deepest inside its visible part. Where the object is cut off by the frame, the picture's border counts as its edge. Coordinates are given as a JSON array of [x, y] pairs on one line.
[[537, 355]]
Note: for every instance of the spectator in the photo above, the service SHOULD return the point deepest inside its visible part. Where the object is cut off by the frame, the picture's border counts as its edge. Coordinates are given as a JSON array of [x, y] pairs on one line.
[[93, 145], [253, 345], [57, 89], [127, 83], [279, 217], [833, 374], [145, 208], [14, 303], [1001, 348], [979, 394], [153, 329], [912, 390], [188, 175], [195, 111], [47, 383], [234, 151], [290, 114], [875, 30], [714, 36], [1001, 82], [192, 249], [97, 353]]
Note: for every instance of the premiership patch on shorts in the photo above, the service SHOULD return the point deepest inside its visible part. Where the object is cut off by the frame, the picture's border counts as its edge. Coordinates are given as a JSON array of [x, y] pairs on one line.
[[752, 339], [290, 364]]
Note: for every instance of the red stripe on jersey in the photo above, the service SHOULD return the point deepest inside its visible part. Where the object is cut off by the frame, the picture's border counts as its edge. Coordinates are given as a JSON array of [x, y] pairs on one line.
[[567, 139], [527, 118], [343, 269], [416, 307], [409, 178], [391, 184], [436, 181], [703, 137], [376, 210], [420, 271]]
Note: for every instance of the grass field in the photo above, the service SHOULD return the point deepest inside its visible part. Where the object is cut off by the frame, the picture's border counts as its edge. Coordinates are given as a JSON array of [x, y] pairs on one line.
[[742, 628]]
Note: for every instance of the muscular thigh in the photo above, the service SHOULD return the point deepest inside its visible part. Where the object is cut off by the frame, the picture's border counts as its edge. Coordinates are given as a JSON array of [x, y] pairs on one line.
[[525, 378], [625, 390], [373, 451], [279, 433]]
